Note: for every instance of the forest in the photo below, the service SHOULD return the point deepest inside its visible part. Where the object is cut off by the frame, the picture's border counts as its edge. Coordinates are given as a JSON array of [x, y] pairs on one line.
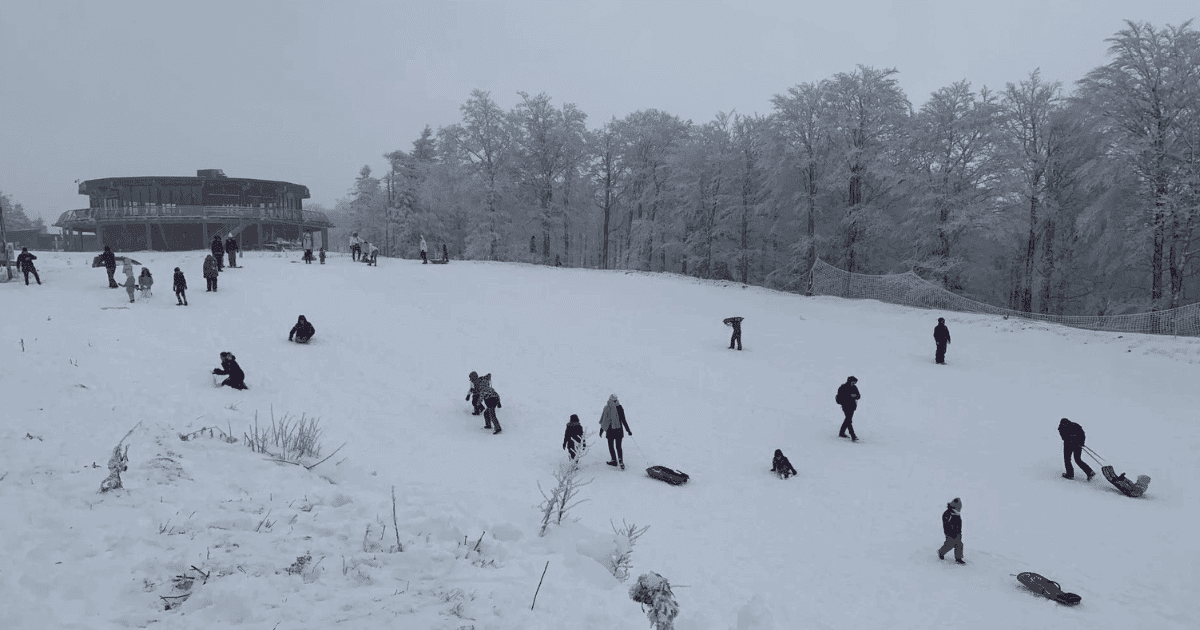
[[1035, 197]]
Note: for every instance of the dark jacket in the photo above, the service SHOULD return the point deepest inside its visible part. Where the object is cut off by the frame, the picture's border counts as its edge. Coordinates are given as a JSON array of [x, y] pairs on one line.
[[781, 466], [216, 247], [941, 334], [230, 245], [302, 328], [236, 377], [847, 395], [574, 433], [210, 267], [1072, 434], [25, 261], [180, 283], [109, 259], [951, 523]]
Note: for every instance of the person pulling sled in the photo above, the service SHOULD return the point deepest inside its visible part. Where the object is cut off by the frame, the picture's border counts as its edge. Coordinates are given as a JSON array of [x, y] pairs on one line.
[[612, 421], [1073, 438]]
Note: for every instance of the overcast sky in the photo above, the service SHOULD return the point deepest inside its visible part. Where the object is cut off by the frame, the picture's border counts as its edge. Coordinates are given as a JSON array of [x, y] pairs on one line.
[[308, 92]]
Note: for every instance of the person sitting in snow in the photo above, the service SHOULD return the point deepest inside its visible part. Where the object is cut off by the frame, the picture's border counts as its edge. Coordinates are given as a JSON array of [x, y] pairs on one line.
[[235, 377], [302, 331], [573, 437], [473, 394], [952, 527], [145, 281], [180, 285], [612, 421], [781, 466]]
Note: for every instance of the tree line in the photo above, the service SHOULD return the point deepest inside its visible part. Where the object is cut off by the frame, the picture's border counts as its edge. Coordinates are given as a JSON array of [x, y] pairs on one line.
[[1029, 197]]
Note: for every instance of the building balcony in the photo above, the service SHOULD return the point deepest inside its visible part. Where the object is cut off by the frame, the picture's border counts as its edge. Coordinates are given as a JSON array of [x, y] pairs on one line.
[[88, 219]]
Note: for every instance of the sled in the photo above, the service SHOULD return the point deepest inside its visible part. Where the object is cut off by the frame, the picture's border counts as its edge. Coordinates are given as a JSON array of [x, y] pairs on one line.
[[439, 261], [662, 473], [1047, 588], [120, 260], [1127, 487]]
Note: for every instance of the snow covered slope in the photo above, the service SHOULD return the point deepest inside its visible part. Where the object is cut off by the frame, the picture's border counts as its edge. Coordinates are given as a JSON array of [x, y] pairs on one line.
[[849, 543]]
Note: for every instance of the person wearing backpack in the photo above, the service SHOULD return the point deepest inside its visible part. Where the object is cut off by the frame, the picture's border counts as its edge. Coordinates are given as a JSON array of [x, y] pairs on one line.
[[847, 397]]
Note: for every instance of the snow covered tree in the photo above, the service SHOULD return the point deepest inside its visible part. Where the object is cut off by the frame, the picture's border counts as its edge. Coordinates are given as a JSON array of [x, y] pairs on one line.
[[654, 591]]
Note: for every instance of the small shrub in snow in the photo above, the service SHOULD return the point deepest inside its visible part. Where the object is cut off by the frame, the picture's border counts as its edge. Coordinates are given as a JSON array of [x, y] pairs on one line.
[[654, 591], [620, 561], [288, 439], [117, 464], [562, 498]]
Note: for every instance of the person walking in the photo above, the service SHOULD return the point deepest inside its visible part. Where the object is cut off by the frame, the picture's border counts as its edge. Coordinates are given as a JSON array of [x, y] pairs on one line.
[[473, 395], [424, 256], [612, 421], [941, 336], [736, 322], [847, 397], [110, 265], [445, 254], [235, 377], [355, 247], [1073, 438], [573, 436], [180, 286], [25, 265], [218, 251], [231, 250], [322, 255], [210, 273], [952, 528], [302, 331]]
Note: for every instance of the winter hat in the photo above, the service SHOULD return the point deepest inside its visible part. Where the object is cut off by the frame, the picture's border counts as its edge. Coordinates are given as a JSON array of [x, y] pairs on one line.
[[851, 379], [24, 249], [941, 320], [177, 269], [778, 452], [955, 505], [1063, 422], [473, 375], [612, 398], [574, 418], [231, 235]]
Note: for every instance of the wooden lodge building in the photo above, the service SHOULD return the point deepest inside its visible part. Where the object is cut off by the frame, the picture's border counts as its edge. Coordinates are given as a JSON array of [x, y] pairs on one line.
[[183, 213]]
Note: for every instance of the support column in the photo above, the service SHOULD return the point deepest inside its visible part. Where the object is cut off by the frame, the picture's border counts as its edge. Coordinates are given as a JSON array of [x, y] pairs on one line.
[[149, 238], [325, 238]]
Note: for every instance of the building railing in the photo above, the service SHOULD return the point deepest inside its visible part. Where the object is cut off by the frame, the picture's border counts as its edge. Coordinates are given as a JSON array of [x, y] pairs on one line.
[[121, 213]]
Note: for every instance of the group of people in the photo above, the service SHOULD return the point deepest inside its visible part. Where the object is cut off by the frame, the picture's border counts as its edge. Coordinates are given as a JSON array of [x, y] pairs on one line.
[[612, 423], [219, 250], [302, 332]]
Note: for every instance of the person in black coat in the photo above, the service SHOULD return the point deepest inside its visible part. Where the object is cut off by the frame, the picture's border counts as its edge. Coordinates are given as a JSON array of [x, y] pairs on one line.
[[736, 322], [218, 251], [109, 260], [941, 336], [180, 285], [847, 397], [235, 377], [25, 265], [473, 395], [573, 437], [211, 269], [781, 466], [952, 527], [1073, 437], [302, 331]]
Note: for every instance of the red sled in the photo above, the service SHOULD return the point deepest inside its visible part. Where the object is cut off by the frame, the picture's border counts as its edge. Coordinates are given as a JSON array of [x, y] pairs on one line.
[[662, 473], [1047, 588]]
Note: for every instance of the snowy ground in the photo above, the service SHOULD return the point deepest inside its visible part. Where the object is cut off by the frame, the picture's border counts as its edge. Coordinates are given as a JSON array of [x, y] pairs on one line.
[[847, 544]]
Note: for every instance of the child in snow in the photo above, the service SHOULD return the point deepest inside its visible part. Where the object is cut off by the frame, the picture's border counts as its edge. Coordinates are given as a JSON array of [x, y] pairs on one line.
[[210, 273], [491, 401], [781, 466], [952, 527], [473, 394], [941, 337], [372, 255], [235, 377], [612, 420], [573, 437], [736, 322], [130, 285], [145, 281], [127, 267], [180, 288], [302, 331], [308, 257]]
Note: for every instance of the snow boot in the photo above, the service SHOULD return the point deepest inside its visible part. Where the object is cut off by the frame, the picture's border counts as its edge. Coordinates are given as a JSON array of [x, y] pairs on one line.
[[959, 561], [1090, 475], [941, 556], [1066, 476], [611, 463], [622, 465]]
